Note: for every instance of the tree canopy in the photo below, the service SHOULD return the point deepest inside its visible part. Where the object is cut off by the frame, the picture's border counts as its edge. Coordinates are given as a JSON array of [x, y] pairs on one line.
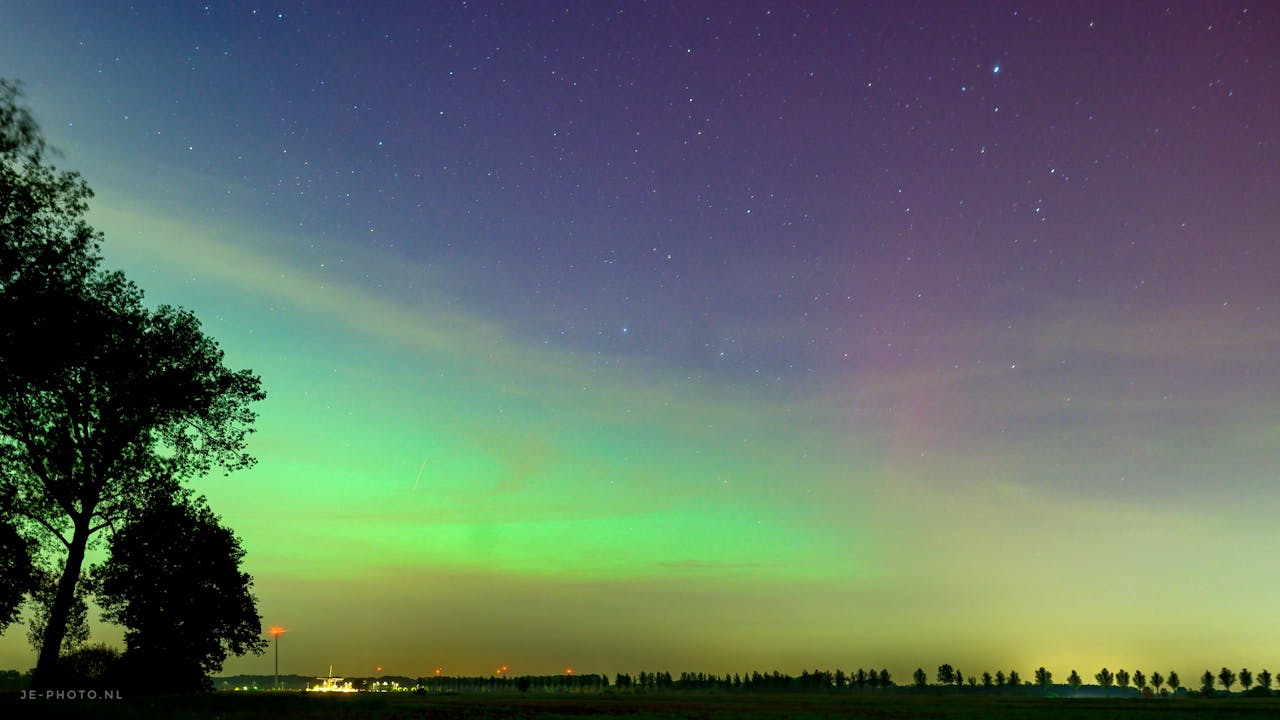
[[103, 400], [173, 581], [16, 569]]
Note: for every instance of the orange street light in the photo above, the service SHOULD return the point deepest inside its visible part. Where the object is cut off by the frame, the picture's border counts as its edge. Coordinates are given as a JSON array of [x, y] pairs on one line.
[[276, 631]]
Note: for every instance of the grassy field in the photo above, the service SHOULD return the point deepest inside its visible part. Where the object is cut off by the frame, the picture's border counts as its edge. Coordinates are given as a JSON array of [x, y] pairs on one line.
[[296, 706]]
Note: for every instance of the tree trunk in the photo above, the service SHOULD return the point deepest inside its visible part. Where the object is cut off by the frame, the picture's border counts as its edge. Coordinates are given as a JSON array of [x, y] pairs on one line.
[[46, 672]]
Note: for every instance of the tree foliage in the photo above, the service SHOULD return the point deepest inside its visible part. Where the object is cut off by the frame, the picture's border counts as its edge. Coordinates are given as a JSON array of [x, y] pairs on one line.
[[1074, 680], [43, 235], [103, 400], [17, 569], [96, 665], [1226, 677], [44, 589], [173, 580]]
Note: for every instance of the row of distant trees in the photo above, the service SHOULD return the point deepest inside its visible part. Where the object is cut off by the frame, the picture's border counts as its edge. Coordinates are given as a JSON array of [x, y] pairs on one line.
[[1226, 677], [946, 676], [816, 680], [946, 679], [870, 679]]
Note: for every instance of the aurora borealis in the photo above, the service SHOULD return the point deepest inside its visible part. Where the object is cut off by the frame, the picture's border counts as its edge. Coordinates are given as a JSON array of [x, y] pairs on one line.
[[714, 337]]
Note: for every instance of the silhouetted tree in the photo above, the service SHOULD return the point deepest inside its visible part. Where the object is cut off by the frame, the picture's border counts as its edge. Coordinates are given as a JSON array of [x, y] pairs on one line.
[[1174, 681], [920, 678], [1264, 679], [1139, 680], [860, 678], [987, 680], [1043, 677], [101, 397], [1122, 678], [973, 681], [173, 580], [999, 678], [91, 666], [1105, 678], [17, 568], [1246, 679], [1206, 683], [44, 587], [1227, 678], [1013, 679], [1157, 680], [1074, 680], [946, 674], [886, 680]]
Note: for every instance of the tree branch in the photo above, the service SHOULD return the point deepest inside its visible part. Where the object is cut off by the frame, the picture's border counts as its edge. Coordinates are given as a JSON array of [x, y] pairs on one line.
[[45, 524]]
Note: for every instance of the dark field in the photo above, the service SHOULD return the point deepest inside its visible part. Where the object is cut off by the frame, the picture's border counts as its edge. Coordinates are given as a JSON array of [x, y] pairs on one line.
[[229, 706]]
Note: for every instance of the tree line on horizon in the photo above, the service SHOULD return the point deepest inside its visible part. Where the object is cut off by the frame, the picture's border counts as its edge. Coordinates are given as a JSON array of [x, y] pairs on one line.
[[107, 407], [1154, 684], [947, 679]]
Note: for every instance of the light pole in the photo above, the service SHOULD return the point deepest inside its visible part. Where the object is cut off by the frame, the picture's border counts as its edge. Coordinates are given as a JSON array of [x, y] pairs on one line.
[[276, 632]]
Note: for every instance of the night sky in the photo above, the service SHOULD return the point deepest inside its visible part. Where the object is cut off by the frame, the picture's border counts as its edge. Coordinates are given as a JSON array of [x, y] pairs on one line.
[[714, 336]]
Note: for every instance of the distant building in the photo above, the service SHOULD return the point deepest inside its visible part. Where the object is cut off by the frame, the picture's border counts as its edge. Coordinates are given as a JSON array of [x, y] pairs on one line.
[[331, 684]]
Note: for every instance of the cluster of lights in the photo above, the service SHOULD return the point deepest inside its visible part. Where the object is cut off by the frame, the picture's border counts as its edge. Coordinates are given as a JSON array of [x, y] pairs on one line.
[[337, 684], [332, 684]]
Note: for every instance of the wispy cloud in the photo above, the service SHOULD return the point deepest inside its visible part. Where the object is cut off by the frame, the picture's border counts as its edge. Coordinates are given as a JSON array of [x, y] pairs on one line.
[[627, 390]]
